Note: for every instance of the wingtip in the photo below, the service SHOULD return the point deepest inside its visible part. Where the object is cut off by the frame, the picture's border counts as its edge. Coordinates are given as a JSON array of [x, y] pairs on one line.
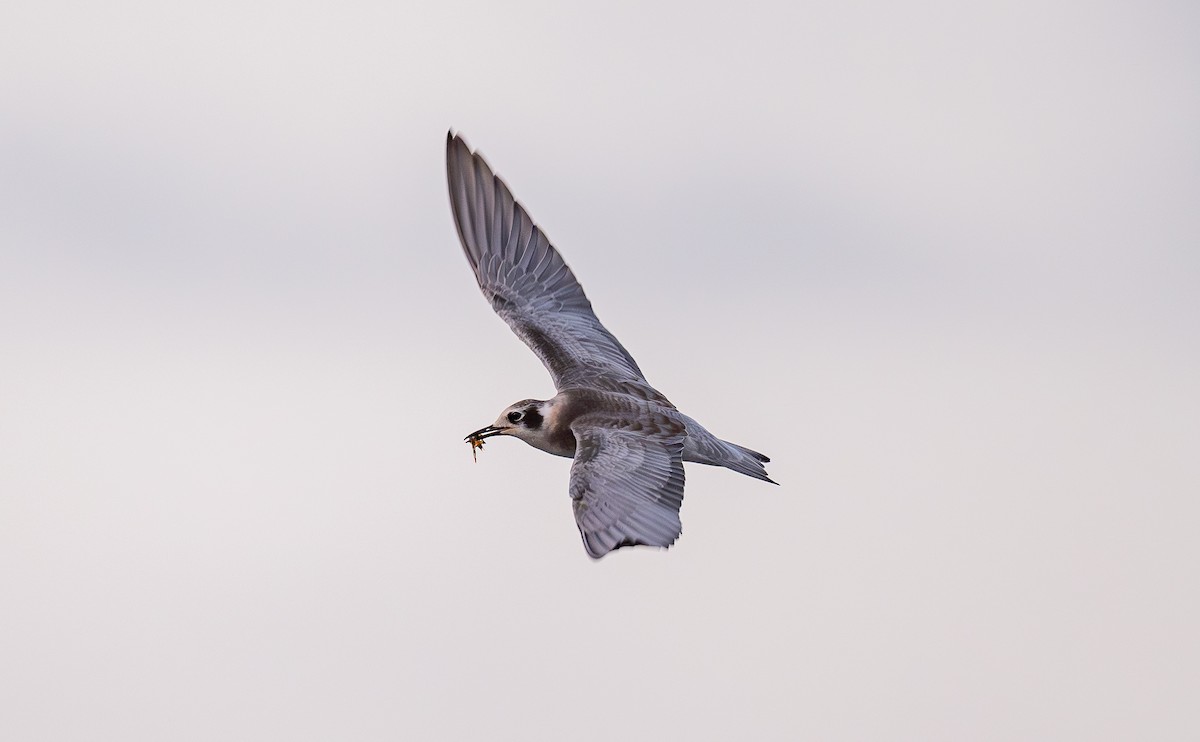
[[458, 148], [455, 140]]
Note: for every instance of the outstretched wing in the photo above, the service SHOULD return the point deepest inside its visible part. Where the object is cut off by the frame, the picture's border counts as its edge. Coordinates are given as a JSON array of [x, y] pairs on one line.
[[626, 483], [529, 285]]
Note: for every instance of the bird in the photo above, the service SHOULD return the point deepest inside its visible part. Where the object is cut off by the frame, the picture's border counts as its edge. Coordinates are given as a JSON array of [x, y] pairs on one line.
[[627, 441]]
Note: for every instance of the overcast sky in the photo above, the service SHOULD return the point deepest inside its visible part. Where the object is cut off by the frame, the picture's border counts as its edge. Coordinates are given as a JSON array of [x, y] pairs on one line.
[[939, 260]]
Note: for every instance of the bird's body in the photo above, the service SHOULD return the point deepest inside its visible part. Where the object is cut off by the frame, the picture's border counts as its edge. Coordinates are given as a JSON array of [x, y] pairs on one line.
[[627, 440], [552, 434]]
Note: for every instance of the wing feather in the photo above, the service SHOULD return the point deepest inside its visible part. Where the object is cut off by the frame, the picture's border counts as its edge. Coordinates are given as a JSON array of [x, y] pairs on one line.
[[529, 284], [627, 485]]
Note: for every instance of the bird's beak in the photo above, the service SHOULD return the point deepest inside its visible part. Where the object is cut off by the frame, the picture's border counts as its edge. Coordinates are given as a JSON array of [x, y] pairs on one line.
[[482, 433]]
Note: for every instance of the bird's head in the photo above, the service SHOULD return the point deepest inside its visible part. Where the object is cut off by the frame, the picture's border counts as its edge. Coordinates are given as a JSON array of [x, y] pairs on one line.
[[522, 419]]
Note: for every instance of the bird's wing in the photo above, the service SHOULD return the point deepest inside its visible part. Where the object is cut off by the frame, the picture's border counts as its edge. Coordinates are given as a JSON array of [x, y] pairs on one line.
[[530, 286], [627, 481]]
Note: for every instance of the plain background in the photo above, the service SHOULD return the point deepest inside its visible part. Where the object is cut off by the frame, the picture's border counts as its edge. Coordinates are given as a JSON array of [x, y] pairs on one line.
[[940, 260]]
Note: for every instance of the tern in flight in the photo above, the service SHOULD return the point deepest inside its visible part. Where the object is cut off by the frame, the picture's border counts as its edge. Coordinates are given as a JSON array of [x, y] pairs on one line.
[[627, 440]]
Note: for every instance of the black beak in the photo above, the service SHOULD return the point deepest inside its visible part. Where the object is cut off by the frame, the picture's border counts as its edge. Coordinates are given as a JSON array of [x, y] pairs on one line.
[[482, 433]]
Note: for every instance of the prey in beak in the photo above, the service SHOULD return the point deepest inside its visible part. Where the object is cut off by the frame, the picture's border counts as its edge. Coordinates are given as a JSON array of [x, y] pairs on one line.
[[476, 439]]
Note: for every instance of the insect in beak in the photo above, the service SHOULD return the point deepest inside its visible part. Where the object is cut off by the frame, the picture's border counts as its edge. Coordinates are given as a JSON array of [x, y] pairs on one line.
[[476, 439]]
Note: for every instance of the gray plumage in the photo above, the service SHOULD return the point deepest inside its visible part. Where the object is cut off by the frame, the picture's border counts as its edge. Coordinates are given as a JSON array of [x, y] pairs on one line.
[[627, 440]]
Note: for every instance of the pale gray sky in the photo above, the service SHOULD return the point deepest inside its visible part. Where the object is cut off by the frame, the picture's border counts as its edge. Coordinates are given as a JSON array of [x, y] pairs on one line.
[[939, 260]]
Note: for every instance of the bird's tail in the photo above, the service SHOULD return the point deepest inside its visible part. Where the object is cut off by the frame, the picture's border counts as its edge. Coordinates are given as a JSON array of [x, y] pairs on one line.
[[747, 461], [703, 447]]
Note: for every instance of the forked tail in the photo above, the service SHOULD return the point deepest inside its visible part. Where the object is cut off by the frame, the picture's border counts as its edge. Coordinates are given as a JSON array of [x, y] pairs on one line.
[[747, 461], [703, 447]]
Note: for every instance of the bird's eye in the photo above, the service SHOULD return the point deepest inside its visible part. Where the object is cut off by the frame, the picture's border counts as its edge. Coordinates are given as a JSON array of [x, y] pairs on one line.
[[515, 416]]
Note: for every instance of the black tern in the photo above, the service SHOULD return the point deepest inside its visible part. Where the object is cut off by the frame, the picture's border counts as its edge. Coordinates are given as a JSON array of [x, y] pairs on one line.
[[627, 440]]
